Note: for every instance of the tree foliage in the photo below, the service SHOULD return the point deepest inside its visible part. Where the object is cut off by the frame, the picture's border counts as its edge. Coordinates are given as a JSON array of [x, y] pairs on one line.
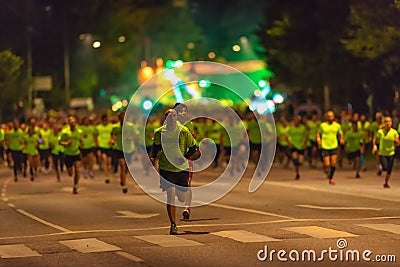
[[347, 45]]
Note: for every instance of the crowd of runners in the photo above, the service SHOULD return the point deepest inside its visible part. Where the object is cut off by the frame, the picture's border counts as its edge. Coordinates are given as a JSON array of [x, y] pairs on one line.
[[101, 145], [82, 145]]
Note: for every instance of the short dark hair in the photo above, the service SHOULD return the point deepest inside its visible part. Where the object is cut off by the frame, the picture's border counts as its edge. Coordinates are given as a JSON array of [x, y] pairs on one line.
[[179, 106]]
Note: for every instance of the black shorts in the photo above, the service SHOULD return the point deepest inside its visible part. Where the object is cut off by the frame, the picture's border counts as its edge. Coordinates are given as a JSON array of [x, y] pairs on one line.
[[107, 151], [169, 179], [256, 147], [299, 151], [118, 154], [86, 151], [313, 144], [70, 160], [353, 155], [329, 152]]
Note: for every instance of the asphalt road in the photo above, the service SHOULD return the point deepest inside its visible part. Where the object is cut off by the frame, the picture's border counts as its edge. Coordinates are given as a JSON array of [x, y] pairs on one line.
[[282, 224]]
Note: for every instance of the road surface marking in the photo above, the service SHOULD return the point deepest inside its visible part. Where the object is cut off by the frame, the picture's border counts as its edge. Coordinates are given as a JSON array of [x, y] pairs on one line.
[[392, 228], [337, 190], [319, 232], [129, 256], [17, 251], [250, 211], [168, 241], [33, 217], [134, 215], [89, 245], [11, 205], [245, 236], [240, 224], [337, 208]]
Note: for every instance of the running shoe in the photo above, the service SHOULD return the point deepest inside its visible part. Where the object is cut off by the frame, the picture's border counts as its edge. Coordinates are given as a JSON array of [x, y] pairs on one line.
[[186, 214], [358, 175], [107, 180], [386, 185], [75, 190], [173, 230], [124, 190], [331, 182], [15, 179], [297, 177]]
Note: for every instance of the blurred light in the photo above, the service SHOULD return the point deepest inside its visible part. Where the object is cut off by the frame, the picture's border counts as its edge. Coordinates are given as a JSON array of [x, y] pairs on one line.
[[278, 98], [121, 39], [20, 104], [236, 48], [146, 72], [48, 8], [257, 92], [159, 62], [262, 83], [190, 45], [147, 104], [243, 39], [124, 103], [102, 92], [82, 36], [174, 63], [178, 63], [96, 44], [211, 55], [114, 107], [118, 104], [204, 83]]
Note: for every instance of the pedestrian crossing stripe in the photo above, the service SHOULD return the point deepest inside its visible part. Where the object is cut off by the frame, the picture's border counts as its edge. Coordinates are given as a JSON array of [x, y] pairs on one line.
[[168, 241], [319, 232], [388, 227], [17, 251], [245, 236], [89, 245]]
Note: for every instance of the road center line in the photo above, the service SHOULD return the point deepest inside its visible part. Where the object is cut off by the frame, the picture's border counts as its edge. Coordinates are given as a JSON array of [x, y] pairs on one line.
[[251, 211], [33, 217], [336, 208], [129, 256]]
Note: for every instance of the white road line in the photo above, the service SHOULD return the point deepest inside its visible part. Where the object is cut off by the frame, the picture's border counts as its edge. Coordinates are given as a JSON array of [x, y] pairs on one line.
[[17, 251], [33, 217], [194, 226], [336, 208], [129, 256], [392, 228], [89, 245], [168, 241], [319, 232], [134, 215], [250, 211], [245, 236], [11, 205]]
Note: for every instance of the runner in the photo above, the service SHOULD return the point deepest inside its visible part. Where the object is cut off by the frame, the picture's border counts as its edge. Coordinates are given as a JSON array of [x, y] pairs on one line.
[[102, 140], [327, 138], [388, 139], [297, 137], [354, 140], [123, 137], [31, 144], [56, 150], [88, 146], [71, 139], [182, 112], [174, 176], [312, 147], [14, 140]]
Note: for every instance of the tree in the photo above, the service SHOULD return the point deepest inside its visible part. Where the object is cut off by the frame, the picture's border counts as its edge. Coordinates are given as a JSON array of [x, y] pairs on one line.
[[10, 70], [306, 46]]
